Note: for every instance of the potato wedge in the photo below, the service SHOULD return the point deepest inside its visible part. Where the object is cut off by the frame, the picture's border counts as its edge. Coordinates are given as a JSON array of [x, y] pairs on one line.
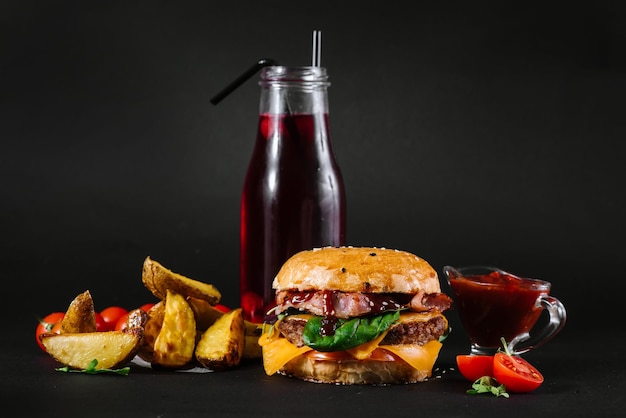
[[151, 331], [205, 313], [80, 315], [112, 349], [252, 329], [174, 346], [251, 348], [158, 280], [222, 344], [136, 318]]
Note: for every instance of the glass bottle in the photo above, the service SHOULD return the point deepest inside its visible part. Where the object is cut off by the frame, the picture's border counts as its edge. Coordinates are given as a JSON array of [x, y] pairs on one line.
[[293, 196]]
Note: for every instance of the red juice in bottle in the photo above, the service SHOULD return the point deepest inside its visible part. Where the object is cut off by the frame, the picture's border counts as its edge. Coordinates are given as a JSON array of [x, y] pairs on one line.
[[293, 196]]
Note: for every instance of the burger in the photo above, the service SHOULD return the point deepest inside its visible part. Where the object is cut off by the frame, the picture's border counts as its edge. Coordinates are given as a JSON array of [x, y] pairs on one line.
[[355, 315]]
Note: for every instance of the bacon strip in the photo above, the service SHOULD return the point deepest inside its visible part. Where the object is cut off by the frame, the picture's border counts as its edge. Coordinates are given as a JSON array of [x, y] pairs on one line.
[[350, 305], [425, 302]]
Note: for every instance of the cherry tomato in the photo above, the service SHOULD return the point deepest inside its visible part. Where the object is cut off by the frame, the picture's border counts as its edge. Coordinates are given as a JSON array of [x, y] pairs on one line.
[[515, 373], [121, 322], [101, 324], [50, 323], [222, 308], [56, 329], [146, 307], [111, 315], [473, 367]]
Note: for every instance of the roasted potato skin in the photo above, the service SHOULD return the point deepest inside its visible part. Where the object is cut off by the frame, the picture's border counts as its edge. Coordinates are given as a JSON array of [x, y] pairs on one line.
[[112, 349], [80, 315], [175, 343], [205, 313], [183, 329], [136, 318], [221, 346], [251, 348], [151, 331], [159, 279]]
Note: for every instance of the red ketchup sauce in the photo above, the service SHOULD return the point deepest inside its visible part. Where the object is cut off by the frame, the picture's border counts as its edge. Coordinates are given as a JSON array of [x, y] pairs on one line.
[[496, 305]]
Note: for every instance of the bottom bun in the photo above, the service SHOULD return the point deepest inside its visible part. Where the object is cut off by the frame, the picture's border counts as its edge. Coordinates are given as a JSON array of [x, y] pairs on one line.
[[353, 372]]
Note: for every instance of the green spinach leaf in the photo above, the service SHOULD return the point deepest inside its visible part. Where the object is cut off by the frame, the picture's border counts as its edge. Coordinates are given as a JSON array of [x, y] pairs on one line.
[[91, 369], [349, 332]]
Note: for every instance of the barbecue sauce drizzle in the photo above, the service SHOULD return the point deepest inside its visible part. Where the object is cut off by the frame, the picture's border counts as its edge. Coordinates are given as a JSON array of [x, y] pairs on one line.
[[329, 320]]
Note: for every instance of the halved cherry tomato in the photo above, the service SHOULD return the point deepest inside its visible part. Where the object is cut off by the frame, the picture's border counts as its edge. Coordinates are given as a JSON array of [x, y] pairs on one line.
[[111, 315], [50, 323], [222, 308], [473, 367], [515, 373]]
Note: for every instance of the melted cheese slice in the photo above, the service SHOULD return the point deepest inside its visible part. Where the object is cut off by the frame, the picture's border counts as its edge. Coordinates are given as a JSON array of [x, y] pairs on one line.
[[363, 351], [277, 351], [419, 317], [420, 357]]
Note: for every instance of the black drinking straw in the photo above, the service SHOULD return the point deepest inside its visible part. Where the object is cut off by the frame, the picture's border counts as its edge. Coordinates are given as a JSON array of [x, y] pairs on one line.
[[316, 60], [263, 62]]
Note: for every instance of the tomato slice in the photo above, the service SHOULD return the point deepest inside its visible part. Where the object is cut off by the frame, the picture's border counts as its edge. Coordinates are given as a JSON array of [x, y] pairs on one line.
[[379, 354], [515, 373], [473, 367], [328, 355]]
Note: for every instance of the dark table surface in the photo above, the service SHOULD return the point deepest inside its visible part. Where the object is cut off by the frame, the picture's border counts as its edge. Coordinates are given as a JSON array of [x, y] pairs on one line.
[[467, 133], [584, 376]]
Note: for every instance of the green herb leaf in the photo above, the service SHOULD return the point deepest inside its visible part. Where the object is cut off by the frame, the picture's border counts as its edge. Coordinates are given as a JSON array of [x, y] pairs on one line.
[[487, 384], [349, 333], [91, 369], [445, 334]]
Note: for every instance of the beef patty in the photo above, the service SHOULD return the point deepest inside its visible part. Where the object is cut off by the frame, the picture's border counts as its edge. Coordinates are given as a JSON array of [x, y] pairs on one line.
[[419, 332]]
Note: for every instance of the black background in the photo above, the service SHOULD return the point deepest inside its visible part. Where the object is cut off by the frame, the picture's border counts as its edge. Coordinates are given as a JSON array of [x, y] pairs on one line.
[[467, 133]]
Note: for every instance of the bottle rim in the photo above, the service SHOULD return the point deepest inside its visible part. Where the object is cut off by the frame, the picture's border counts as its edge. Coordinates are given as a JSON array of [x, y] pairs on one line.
[[301, 74]]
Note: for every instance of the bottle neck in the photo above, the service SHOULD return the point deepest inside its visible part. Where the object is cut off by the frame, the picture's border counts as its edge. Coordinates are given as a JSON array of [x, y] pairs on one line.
[[294, 90]]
